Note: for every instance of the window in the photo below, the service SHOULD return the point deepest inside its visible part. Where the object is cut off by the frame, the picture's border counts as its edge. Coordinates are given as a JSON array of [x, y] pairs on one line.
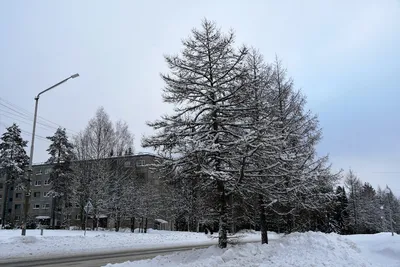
[[46, 206], [77, 217], [46, 182], [10, 199], [36, 194], [39, 172], [17, 206], [1, 185], [140, 162], [17, 217], [127, 163], [36, 206], [47, 171], [45, 194], [38, 183], [18, 195]]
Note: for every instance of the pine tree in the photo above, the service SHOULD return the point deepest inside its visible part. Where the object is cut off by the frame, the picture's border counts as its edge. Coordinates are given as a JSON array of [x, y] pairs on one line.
[[61, 178], [13, 162]]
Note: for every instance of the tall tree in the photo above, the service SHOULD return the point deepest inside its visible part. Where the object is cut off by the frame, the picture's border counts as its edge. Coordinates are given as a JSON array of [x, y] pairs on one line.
[[61, 177], [93, 146], [340, 211], [354, 187], [261, 158], [13, 162], [303, 182], [206, 84], [103, 178]]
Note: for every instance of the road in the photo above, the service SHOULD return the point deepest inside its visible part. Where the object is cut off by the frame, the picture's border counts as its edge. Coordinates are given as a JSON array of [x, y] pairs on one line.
[[95, 260]]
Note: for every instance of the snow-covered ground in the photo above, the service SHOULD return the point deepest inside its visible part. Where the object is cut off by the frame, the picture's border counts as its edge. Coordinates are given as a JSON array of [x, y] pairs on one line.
[[64, 242], [382, 249], [297, 249]]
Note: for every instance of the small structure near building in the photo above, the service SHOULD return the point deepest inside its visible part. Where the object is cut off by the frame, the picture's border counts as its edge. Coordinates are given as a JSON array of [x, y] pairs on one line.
[[160, 224]]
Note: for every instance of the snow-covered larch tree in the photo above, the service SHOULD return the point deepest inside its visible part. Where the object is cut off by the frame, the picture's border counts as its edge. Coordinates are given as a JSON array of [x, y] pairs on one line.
[[206, 84]]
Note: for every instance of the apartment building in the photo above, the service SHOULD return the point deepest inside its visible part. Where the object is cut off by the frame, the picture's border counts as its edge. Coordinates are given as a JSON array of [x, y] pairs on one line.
[[12, 202]]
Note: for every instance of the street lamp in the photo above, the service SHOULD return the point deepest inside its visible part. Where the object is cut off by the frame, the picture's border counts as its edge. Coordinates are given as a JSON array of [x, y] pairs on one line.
[[28, 189]]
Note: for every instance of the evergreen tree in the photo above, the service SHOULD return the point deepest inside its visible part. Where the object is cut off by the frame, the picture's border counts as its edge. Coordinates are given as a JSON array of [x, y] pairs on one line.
[[61, 178], [370, 221], [354, 188], [13, 162], [340, 212]]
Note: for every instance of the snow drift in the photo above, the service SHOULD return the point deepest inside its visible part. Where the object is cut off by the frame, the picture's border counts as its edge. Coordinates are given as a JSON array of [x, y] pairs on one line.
[[297, 249]]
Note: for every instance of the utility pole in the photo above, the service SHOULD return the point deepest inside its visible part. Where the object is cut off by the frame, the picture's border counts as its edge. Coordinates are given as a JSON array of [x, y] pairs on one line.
[[29, 180]]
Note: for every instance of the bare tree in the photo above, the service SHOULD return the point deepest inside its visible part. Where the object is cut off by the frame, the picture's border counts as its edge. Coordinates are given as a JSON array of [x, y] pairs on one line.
[[102, 177]]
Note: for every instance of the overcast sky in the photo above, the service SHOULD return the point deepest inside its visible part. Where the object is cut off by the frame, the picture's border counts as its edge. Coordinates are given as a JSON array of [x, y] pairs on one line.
[[344, 55]]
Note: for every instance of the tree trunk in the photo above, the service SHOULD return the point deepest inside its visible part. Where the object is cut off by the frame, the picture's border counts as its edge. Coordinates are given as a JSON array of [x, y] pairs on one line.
[[263, 220], [83, 219], [145, 226], [53, 213], [355, 212], [95, 223], [5, 206], [132, 224], [222, 237], [117, 223]]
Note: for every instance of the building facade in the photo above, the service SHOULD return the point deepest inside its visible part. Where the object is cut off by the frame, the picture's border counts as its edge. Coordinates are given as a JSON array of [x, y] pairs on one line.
[[41, 204]]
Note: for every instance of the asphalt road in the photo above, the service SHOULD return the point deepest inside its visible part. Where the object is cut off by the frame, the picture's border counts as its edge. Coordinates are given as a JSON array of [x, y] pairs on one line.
[[95, 260]]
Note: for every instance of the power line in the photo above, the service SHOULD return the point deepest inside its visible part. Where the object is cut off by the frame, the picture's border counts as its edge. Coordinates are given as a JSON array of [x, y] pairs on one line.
[[21, 112], [25, 122], [25, 118], [29, 133]]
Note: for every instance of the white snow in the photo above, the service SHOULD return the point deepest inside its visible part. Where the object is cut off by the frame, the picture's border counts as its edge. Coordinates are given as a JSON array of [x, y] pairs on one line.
[[298, 249], [64, 242], [382, 248]]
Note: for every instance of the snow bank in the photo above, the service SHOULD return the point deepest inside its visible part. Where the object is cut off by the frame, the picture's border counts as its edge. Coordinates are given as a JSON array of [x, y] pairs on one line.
[[382, 248], [67, 242], [297, 249]]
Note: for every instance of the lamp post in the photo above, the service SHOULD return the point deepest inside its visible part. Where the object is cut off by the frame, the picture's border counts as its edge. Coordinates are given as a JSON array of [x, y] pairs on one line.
[[28, 187]]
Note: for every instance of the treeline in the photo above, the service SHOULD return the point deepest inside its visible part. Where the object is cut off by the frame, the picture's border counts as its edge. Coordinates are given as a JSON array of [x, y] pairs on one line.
[[360, 209]]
